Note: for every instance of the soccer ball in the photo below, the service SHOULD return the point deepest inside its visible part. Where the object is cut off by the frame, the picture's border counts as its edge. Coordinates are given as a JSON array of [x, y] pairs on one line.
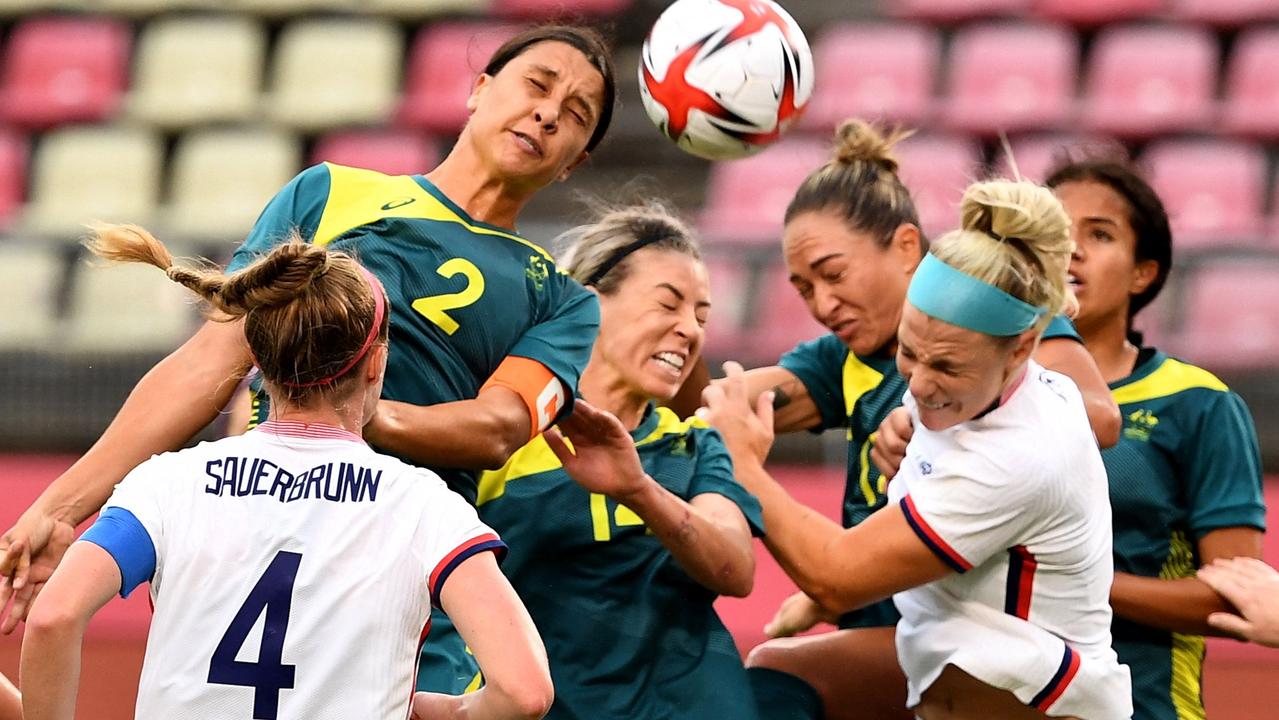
[[725, 78]]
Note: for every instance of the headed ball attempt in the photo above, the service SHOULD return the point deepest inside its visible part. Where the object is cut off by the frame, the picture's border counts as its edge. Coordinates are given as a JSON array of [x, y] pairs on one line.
[[725, 78]]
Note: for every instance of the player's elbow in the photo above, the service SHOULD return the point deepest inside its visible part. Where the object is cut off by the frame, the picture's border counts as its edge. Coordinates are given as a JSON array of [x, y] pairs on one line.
[[1106, 420], [830, 598], [531, 696], [737, 578], [50, 618]]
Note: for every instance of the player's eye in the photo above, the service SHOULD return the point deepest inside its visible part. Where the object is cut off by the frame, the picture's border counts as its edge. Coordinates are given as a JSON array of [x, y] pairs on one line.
[[577, 117], [670, 308], [1101, 235], [541, 86]]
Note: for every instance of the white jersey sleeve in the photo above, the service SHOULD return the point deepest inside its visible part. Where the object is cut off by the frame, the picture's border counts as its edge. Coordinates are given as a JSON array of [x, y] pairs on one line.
[[451, 534]]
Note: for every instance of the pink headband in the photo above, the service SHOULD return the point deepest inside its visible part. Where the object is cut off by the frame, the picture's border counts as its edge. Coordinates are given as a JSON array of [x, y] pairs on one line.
[[379, 312]]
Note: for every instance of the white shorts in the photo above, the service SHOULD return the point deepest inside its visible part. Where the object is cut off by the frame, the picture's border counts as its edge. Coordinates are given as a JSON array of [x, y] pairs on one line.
[[1015, 655]]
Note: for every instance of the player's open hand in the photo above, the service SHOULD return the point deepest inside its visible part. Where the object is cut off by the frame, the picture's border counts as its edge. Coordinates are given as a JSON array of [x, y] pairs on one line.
[[890, 442], [29, 553], [798, 613], [599, 453], [1251, 586], [747, 431]]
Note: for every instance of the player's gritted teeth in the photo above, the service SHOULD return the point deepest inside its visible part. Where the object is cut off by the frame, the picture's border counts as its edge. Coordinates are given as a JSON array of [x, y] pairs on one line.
[[527, 143], [672, 362]]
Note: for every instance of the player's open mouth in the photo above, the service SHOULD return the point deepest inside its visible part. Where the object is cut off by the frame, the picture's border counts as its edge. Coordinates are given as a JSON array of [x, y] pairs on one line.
[[1074, 281], [931, 406], [673, 360], [529, 143]]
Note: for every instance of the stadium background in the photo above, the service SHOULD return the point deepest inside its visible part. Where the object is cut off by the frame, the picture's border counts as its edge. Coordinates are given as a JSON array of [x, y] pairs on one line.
[[186, 115]]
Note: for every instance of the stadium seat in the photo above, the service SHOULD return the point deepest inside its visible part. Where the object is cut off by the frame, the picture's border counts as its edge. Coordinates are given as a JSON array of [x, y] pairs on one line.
[[280, 8], [394, 152], [14, 150], [936, 169], [1037, 154], [1214, 190], [1252, 85], [1097, 12], [746, 199], [1011, 77], [442, 67], [895, 68], [333, 73], [1146, 81], [31, 277], [198, 69], [544, 9], [950, 11], [223, 178], [1231, 322], [126, 308], [730, 304], [419, 9], [64, 69], [1226, 13], [142, 8], [783, 318], [93, 173]]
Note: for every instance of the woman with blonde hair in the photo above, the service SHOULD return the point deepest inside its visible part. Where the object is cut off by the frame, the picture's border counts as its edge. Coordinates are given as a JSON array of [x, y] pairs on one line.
[[995, 544]]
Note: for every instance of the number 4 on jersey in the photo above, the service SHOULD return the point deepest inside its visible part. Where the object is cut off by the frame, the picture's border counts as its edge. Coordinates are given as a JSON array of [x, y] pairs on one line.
[[273, 594]]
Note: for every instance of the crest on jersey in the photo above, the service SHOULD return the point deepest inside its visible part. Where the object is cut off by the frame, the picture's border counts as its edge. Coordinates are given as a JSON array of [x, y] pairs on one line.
[[537, 271]]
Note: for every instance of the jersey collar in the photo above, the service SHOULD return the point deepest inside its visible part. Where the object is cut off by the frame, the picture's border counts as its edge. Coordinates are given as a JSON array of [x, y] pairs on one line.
[[312, 431], [1148, 361]]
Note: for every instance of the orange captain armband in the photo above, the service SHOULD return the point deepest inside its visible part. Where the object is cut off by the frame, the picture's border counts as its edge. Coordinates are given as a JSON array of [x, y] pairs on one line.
[[542, 392]]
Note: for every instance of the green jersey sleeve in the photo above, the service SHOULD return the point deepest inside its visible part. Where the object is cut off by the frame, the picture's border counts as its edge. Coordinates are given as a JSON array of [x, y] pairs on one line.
[[298, 206], [563, 337], [819, 364], [1061, 327], [714, 474], [1222, 462]]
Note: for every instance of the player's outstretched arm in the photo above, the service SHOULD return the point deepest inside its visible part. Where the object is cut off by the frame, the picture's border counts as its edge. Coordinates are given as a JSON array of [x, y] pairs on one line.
[[473, 434], [171, 403], [708, 535], [50, 665], [499, 631], [1070, 358]]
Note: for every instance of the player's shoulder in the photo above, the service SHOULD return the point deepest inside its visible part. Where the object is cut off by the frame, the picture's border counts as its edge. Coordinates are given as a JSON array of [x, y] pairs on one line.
[[1164, 377]]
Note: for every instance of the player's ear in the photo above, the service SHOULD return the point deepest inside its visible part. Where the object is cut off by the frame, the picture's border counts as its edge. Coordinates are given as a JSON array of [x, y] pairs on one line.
[[907, 244], [477, 89], [375, 368], [568, 169]]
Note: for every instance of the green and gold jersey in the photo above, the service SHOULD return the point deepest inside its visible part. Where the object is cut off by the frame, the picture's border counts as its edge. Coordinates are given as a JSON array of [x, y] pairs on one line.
[[856, 393], [464, 295], [1186, 464], [628, 633]]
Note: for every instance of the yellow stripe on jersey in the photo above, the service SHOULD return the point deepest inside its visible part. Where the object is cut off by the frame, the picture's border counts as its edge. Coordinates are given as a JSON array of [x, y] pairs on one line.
[[1170, 378], [859, 379], [1187, 650], [668, 423], [359, 197], [535, 457]]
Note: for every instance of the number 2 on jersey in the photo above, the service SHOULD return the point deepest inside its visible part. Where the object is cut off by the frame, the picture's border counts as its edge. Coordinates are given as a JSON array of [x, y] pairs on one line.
[[434, 307], [273, 594]]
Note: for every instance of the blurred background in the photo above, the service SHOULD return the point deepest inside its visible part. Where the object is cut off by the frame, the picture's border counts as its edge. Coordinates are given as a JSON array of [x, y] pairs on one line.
[[187, 115]]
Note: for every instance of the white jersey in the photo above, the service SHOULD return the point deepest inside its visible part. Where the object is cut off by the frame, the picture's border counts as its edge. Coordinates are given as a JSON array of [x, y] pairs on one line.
[[295, 570], [1016, 502]]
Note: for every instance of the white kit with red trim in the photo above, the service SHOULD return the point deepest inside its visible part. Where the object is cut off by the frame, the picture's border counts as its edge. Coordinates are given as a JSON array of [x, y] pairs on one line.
[[1016, 503], [296, 570]]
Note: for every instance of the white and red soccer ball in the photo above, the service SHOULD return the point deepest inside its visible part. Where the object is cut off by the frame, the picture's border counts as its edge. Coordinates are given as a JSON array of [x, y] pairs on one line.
[[725, 78]]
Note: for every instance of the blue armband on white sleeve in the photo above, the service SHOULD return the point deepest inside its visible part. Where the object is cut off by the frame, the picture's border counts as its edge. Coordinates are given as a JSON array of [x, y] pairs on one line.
[[122, 535]]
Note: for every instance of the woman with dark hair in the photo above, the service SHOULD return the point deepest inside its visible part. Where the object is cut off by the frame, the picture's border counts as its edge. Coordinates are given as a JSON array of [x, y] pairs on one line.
[[490, 337], [283, 526]]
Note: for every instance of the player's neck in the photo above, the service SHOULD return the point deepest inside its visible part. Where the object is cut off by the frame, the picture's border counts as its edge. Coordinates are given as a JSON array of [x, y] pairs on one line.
[[1107, 342], [347, 418], [480, 195], [607, 390]]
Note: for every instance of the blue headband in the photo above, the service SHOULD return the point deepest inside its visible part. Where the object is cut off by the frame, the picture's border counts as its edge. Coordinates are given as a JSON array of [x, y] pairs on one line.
[[940, 291]]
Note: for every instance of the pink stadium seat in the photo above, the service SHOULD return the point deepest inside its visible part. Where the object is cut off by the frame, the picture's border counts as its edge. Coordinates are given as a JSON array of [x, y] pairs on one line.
[[1011, 77], [1226, 13], [1036, 155], [949, 11], [64, 69], [14, 151], [557, 8], [443, 63], [783, 317], [936, 169], [746, 199], [730, 298], [1252, 85], [1214, 191], [394, 152], [895, 67], [1149, 80], [1230, 316], [1097, 12]]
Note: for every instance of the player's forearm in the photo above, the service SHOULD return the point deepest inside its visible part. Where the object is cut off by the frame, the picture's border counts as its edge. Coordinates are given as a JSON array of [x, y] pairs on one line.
[[10, 700], [718, 557], [50, 668], [1182, 605], [471, 434]]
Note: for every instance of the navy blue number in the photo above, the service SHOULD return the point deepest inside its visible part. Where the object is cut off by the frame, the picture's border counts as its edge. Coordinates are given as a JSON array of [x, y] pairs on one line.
[[272, 594]]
